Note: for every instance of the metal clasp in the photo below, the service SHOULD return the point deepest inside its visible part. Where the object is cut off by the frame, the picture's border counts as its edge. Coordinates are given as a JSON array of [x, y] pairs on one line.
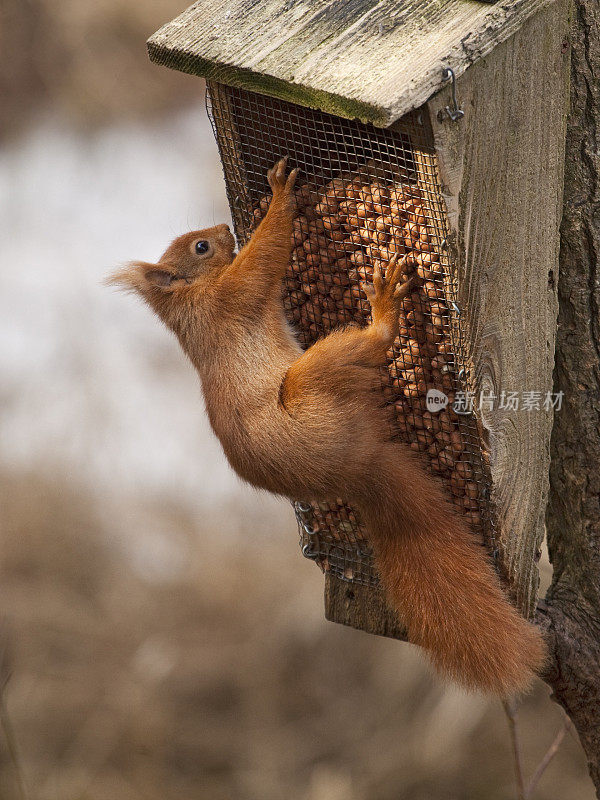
[[455, 113]]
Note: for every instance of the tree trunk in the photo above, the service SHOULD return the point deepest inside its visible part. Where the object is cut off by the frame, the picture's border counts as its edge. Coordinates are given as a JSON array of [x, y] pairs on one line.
[[571, 611]]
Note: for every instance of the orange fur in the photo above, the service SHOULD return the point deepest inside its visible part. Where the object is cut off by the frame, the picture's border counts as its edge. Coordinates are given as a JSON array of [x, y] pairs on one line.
[[311, 425]]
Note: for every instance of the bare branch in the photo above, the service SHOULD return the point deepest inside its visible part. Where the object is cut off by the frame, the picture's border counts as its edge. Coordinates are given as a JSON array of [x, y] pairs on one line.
[[511, 711], [550, 753]]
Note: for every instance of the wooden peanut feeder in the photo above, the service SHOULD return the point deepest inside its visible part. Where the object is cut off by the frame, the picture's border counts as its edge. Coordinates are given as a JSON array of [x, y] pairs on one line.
[[434, 130]]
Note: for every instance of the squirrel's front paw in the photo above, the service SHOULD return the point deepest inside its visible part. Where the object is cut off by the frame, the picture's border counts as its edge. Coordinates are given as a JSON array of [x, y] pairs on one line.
[[386, 293], [278, 181]]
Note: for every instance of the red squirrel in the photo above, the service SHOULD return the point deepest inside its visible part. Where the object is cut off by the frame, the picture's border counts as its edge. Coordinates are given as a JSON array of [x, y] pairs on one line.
[[310, 425]]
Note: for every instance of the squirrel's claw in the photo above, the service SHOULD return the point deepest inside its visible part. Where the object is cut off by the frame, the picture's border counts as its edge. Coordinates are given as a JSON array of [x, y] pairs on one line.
[[277, 179], [276, 175], [292, 179], [378, 285], [402, 289], [369, 291], [394, 270], [385, 294]]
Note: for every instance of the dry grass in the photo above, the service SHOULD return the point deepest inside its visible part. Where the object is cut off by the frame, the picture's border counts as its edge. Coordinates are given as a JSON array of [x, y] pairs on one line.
[[221, 679], [86, 61]]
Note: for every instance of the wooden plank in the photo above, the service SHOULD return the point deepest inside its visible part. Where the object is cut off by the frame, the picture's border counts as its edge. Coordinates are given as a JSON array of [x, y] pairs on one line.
[[370, 59], [502, 168], [360, 607]]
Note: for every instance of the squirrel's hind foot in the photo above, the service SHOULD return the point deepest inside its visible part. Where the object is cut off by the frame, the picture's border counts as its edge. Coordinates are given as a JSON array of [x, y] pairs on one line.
[[386, 294]]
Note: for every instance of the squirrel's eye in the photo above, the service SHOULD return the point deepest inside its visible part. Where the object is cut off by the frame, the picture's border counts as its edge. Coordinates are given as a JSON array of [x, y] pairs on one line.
[[202, 246]]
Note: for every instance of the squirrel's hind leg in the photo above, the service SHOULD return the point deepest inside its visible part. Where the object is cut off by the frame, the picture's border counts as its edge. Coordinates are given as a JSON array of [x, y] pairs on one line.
[[385, 296], [345, 361]]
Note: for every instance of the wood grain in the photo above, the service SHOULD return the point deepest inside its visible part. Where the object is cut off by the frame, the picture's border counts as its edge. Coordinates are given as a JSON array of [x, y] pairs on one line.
[[501, 169], [370, 59], [360, 607]]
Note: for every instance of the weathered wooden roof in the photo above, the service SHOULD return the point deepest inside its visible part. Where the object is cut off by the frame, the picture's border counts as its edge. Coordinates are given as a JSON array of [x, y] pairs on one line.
[[371, 59]]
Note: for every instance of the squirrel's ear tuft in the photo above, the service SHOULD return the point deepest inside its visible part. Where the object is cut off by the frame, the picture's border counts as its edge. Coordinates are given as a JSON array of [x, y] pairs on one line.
[[161, 278], [140, 276]]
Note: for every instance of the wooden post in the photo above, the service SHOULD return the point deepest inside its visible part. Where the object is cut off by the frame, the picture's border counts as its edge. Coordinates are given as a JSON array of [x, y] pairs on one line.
[[360, 607], [501, 169], [571, 613]]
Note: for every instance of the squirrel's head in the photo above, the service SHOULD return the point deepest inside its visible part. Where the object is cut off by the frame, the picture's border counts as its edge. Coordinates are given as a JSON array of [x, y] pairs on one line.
[[190, 260], [193, 255]]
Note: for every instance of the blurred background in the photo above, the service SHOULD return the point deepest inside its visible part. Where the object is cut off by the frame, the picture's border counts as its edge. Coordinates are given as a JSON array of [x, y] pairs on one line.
[[160, 634]]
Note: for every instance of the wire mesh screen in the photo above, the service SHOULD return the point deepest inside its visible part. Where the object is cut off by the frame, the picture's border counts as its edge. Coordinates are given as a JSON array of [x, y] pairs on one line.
[[363, 195]]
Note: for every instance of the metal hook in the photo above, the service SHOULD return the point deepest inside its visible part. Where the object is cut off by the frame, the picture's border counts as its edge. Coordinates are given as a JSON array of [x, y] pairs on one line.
[[455, 113], [309, 530], [307, 552]]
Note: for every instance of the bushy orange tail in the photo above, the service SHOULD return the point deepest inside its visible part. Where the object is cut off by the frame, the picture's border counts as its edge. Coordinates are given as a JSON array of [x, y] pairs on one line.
[[441, 582]]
